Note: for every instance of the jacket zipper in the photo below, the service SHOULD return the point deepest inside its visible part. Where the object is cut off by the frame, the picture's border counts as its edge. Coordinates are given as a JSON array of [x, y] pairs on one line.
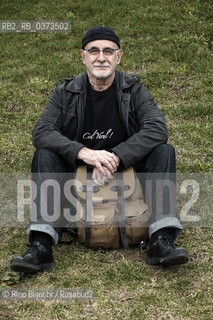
[[81, 113]]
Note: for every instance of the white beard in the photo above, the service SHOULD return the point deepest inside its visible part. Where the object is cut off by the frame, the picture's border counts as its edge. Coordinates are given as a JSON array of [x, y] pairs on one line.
[[102, 74]]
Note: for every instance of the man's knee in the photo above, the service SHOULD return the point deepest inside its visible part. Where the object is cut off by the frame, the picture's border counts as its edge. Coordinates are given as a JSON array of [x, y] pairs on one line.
[[165, 150], [44, 159], [44, 153], [162, 159]]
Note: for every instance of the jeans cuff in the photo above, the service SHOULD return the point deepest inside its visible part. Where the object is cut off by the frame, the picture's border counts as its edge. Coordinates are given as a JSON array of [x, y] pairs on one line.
[[44, 228], [169, 222]]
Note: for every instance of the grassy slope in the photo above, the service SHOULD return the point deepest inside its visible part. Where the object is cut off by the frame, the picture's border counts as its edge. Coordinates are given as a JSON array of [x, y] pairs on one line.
[[168, 43]]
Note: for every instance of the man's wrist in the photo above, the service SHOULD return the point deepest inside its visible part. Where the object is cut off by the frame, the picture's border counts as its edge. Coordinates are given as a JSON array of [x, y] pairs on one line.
[[81, 153], [117, 157]]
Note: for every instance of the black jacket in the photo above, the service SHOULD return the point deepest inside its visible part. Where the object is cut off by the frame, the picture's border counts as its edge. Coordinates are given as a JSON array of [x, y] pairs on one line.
[[60, 126]]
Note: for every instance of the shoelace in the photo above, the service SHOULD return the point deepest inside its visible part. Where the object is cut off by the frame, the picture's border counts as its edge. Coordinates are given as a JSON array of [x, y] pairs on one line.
[[32, 246], [167, 240]]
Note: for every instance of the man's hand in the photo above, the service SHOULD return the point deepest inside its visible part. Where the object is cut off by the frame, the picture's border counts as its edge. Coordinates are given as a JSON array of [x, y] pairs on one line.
[[101, 179], [99, 159]]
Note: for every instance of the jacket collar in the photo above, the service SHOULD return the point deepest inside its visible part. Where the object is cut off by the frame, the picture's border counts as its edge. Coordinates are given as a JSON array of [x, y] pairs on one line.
[[124, 80], [78, 84]]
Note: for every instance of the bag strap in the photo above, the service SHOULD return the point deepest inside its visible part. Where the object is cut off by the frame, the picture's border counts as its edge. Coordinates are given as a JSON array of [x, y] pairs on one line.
[[120, 188], [89, 204], [121, 213]]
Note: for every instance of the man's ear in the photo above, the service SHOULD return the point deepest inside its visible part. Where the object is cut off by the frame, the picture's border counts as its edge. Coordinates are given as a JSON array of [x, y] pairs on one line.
[[119, 55], [82, 52]]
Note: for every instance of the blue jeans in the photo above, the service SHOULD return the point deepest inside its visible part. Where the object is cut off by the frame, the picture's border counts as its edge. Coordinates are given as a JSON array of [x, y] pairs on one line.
[[156, 173]]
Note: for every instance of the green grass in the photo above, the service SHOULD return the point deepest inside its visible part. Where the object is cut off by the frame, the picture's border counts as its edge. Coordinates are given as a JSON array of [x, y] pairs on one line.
[[169, 44]]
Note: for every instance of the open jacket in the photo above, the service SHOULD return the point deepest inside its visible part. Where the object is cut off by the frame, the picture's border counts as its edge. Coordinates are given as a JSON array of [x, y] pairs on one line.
[[60, 126]]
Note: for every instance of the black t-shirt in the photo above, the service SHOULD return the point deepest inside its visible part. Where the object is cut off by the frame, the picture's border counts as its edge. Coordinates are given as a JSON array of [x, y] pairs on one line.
[[102, 128]]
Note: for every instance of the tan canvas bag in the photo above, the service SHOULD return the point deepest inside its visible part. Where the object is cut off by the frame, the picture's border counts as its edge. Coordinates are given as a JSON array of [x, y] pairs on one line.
[[111, 217]]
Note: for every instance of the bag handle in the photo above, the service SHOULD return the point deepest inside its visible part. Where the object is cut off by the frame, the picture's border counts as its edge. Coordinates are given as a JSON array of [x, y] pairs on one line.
[[105, 193]]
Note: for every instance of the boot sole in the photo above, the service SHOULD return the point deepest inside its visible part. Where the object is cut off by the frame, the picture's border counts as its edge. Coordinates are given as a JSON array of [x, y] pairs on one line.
[[180, 256], [26, 267]]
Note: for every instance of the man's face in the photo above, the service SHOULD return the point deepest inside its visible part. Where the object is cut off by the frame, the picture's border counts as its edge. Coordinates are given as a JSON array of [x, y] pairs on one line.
[[101, 65]]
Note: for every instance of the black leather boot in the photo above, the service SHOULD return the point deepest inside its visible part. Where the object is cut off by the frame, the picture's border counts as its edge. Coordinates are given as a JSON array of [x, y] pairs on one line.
[[37, 258], [162, 250]]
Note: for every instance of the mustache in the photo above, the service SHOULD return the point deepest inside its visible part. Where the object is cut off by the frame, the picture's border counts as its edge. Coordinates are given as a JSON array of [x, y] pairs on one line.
[[101, 65]]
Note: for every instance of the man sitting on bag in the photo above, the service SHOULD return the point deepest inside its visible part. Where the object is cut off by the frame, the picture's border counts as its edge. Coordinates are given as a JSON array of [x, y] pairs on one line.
[[105, 119]]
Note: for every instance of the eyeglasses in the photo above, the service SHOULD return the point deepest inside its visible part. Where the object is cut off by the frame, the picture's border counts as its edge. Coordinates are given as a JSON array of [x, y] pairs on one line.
[[106, 51]]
